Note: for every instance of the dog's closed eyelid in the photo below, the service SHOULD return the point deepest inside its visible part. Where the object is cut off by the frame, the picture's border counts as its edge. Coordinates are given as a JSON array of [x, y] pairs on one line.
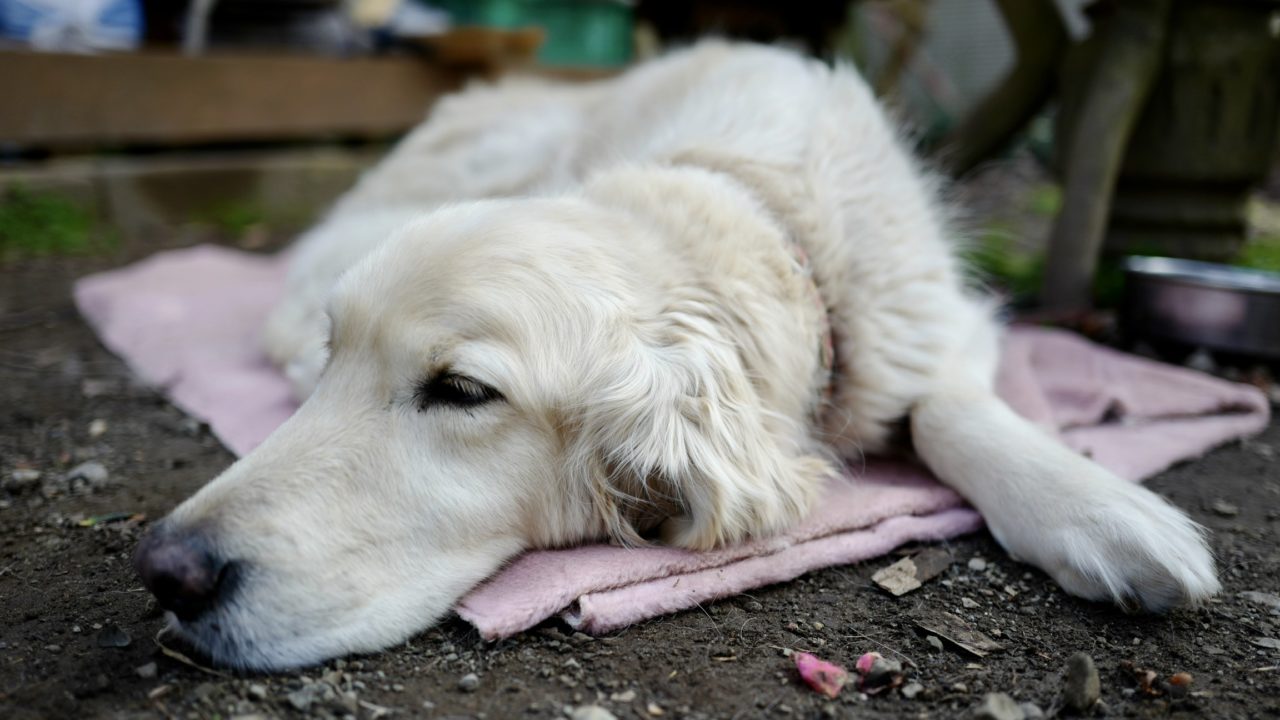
[[450, 389]]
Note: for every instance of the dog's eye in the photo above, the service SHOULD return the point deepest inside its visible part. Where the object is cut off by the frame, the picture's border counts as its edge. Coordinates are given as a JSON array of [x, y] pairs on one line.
[[450, 390]]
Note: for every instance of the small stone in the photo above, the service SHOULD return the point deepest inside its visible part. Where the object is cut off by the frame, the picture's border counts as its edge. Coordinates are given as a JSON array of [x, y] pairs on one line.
[[1082, 688], [21, 479], [1264, 599], [784, 709], [90, 475], [302, 698], [654, 709], [818, 626], [1224, 508], [591, 712], [112, 636], [754, 606], [257, 691], [623, 697], [977, 564], [969, 603], [1180, 684], [1267, 642], [911, 690], [998, 706], [469, 683], [53, 648], [97, 428], [935, 642], [146, 672], [960, 688], [1031, 711]]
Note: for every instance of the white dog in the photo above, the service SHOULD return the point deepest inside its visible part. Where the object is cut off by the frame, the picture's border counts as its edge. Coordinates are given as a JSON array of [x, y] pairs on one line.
[[665, 302]]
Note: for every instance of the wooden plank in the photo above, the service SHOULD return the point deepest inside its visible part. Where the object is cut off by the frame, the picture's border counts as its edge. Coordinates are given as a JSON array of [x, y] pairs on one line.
[[52, 100]]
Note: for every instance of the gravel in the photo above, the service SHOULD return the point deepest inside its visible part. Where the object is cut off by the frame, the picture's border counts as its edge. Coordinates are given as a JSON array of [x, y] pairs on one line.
[[591, 712]]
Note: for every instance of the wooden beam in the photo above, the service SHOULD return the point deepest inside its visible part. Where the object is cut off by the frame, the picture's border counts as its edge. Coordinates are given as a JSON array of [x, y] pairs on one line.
[[53, 100]]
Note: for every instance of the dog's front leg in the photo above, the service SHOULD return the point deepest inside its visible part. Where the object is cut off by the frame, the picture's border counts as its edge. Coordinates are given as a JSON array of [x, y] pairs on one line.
[[1097, 535]]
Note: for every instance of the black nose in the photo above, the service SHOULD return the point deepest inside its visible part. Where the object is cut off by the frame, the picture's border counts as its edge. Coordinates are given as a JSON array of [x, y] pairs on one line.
[[182, 571]]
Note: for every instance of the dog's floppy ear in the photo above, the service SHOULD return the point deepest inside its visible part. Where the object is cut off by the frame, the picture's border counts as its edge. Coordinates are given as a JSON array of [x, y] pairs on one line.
[[679, 436]]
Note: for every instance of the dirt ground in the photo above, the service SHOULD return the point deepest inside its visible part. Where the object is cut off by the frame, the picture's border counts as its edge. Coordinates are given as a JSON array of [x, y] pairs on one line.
[[76, 628]]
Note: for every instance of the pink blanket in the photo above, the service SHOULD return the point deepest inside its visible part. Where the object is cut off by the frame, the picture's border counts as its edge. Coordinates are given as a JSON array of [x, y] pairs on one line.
[[189, 320]]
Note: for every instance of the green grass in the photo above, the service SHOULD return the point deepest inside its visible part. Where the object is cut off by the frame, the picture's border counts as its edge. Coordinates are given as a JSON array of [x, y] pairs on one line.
[[998, 261], [1261, 253], [34, 224], [235, 218]]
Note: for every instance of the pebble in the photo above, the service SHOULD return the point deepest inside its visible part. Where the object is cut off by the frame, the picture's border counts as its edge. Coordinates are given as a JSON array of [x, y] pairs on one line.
[[977, 564], [301, 699], [1082, 687], [935, 642], [623, 697], [998, 706], [1031, 711], [911, 690], [146, 672], [91, 475], [257, 691], [1270, 600], [469, 683], [53, 648], [21, 479], [654, 709], [969, 603], [112, 636], [97, 428], [1224, 508], [754, 606], [592, 712]]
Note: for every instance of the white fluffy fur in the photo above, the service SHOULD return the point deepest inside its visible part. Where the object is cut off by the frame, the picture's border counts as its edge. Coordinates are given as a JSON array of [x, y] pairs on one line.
[[613, 259]]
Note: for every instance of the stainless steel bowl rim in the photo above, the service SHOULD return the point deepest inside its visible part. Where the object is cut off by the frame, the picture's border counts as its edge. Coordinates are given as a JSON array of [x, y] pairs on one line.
[[1204, 274]]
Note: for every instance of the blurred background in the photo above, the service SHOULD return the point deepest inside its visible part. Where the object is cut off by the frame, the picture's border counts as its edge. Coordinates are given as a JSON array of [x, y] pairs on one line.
[[1074, 133]]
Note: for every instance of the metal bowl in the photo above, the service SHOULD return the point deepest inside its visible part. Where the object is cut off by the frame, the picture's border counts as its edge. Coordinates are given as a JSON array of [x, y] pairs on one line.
[[1198, 304]]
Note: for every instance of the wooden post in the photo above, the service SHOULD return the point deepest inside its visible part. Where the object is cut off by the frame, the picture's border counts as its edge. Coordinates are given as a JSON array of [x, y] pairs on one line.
[[1130, 49]]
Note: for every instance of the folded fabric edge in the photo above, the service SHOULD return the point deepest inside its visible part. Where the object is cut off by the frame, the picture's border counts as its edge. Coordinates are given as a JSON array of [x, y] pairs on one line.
[[604, 612], [788, 563]]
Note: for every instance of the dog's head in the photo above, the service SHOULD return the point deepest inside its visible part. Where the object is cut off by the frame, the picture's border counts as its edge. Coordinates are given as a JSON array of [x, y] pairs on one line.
[[499, 378]]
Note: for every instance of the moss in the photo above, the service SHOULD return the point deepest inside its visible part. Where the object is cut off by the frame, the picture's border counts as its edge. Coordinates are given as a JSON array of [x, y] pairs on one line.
[[34, 224]]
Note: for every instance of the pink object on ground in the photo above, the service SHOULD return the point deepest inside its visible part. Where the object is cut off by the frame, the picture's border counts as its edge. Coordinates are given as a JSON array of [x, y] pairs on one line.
[[189, 320]]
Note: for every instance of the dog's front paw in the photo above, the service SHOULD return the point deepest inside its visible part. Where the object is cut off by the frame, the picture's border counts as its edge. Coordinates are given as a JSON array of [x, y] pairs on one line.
[[1123, 543]]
